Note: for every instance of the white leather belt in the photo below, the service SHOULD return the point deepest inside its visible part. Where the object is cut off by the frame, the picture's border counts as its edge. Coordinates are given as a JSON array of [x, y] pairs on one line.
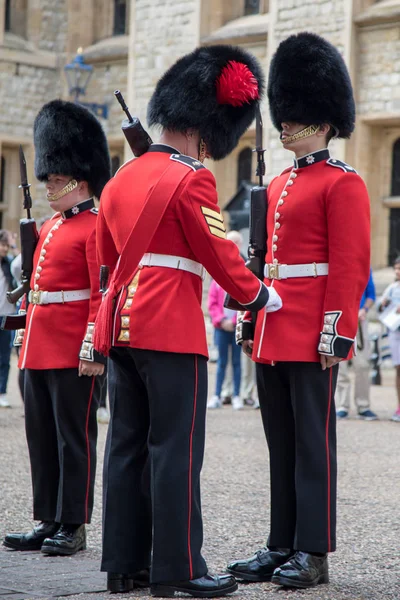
[[279, 271], [173, 262], [41, 297]]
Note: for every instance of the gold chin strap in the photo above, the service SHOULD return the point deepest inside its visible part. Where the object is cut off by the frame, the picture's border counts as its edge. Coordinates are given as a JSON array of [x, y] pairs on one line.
[[202, 150], [71, 185], [300, 135]]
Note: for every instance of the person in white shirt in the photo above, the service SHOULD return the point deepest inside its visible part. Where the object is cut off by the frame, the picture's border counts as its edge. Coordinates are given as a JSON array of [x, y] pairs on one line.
[[391, 295]]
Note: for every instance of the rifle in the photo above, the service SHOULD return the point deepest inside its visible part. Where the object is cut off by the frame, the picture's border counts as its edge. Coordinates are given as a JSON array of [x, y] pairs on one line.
[[258, 217], [137, 138], [28, 234], [29, 238], [139, 142]]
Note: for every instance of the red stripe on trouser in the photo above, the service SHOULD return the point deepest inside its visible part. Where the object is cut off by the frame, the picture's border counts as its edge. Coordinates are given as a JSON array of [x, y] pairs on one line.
[[328, 461], [88, 450], [190, 468]]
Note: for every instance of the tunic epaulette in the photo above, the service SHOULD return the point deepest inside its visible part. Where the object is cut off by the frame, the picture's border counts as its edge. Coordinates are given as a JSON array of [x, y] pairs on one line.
[[94, 210], [190, 162], [125, 164], [334, 162]]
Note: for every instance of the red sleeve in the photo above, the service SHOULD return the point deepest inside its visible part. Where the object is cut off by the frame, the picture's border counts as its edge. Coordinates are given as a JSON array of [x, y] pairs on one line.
[[87, 351], [347, 209], [205, 232], [107, 253]]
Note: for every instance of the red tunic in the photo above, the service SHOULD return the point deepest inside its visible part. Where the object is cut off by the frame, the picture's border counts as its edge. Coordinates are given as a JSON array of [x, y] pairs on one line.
[[161, 308], [317, 213], [64, 260]]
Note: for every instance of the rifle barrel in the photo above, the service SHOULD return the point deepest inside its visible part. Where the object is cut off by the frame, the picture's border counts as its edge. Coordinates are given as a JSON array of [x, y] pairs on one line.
[[124, 107]]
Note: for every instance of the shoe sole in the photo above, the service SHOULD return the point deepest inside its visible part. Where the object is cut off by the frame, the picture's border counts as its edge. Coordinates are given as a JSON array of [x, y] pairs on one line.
[[249, 577], [118, 587], [165, 591], [288, 582], [52, 551], [19, 549]]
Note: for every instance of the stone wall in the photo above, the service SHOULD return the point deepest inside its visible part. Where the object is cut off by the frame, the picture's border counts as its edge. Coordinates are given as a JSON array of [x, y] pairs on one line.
[[22, 95], [53, 29], [164, 31], [378, 70]]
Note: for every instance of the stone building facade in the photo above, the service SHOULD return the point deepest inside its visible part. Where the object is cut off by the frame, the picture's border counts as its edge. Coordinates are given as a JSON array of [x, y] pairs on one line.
[[130, 43]]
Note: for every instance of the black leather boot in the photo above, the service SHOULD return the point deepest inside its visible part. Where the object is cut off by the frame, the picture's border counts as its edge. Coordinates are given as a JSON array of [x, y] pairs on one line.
[[122, 582], [32, 540], [260, 566], [68, 540], [302, 571], [208, 586]]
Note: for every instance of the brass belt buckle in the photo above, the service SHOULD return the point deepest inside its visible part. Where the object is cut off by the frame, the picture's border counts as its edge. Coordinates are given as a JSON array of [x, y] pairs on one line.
[[273, 271], [36, 297]]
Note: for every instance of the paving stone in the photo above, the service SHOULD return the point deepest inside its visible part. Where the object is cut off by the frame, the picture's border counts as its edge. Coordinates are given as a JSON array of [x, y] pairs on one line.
[[235, 488]]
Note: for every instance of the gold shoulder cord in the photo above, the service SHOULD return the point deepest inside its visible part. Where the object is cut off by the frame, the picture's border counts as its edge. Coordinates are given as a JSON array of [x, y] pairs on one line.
[[71, 185], [300, 135]]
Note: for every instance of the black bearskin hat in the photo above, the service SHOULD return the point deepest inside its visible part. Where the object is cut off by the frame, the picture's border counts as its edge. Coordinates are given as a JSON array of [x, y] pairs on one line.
[[309, 83], [214, 90], [69, 140]]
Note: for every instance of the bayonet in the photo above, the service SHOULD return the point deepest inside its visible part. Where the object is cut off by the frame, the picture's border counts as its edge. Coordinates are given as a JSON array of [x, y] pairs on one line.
[[24, 183], [260, 172]]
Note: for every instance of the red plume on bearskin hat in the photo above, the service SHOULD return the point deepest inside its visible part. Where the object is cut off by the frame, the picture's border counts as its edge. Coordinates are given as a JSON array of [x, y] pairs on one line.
[[309, 83], [214, 90], [69, 140]]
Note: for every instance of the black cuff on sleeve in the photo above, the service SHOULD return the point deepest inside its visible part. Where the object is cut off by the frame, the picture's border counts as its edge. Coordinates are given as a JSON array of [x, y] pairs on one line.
[[99, 358], [247, 331], [342, 347], [260, 301]]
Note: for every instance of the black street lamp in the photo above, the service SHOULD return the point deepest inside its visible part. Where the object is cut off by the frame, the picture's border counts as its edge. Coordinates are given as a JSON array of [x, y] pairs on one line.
[[78, 75]]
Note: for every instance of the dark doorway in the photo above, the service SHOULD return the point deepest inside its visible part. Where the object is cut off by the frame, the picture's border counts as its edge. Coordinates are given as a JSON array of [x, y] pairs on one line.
[[394, 225]]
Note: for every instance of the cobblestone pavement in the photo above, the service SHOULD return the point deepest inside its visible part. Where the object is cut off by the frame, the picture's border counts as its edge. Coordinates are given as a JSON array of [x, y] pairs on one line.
[[366, 565]]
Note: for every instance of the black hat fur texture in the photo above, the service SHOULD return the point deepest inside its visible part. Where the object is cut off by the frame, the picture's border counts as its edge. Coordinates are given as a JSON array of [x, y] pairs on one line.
[[309, 83], [213, 90], [69, 140]]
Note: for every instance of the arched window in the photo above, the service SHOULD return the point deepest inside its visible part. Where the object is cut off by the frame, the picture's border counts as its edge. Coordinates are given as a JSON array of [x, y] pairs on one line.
[[7, 18], [251, 7], [15, 17], [395, 187], [394, 217], [120, 17], [244, 165]]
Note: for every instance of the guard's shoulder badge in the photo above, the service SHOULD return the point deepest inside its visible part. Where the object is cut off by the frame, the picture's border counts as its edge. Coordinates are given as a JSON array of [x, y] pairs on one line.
[[190, 162], [286, 170], [94, 210], [334, 162], [124, 165]]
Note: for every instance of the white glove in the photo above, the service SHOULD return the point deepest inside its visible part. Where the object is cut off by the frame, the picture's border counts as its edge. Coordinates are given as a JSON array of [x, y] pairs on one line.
[[274, 301]]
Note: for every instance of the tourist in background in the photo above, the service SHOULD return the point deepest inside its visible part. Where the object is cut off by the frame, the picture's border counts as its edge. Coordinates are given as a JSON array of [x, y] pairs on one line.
[[361, 365]]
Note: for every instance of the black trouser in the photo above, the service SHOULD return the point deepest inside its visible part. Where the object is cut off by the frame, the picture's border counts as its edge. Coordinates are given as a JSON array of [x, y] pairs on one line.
[[298, 412], [152, 464], [61, 429]]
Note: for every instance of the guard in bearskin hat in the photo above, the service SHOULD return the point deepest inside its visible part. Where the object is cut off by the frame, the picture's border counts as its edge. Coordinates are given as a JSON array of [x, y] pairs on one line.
[[62, 370], [159, 230], [318, 261]]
